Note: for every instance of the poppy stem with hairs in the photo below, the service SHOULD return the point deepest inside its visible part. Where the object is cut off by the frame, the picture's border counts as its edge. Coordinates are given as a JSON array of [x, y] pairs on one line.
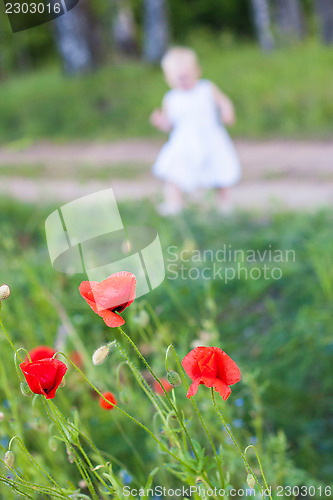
[[218, 459], [247, 465], [128, 338], [8, 337], [137, 422]]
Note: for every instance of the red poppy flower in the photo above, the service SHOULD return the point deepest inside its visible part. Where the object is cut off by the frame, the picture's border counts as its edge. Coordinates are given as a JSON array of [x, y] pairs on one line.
[[44, 376], [112, 401], [157, 386], [110, 296], [211, 367], [40, 352]]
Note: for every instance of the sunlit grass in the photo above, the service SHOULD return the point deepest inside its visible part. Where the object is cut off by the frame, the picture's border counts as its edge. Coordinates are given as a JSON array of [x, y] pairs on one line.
[[287, 93]]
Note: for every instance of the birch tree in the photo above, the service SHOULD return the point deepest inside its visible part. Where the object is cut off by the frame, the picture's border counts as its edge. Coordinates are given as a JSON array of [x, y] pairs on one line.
[[289, 18], [75, 37], [325, 16], [262, 23], [156, 32]]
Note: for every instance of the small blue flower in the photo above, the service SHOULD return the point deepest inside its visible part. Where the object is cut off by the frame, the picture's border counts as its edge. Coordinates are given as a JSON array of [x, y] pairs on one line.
[[125, 476], [238, 422], [253, 440], [6, 403], [239, 402]]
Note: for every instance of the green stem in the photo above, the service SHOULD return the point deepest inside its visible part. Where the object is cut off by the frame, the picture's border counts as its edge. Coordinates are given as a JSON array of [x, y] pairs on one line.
[[78, 460], [8, 338], [260, 466], [128, 338], [139, 424], [218, 460], [247, 465], [50, 478]]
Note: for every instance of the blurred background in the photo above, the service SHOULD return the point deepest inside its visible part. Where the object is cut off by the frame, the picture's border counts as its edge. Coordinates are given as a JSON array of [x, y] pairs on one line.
[[75, 98], [92, 77]]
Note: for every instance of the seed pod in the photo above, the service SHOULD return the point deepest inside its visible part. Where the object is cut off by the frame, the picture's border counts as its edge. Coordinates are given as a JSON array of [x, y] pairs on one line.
[[25, 389], [9, 459], [173, 378], [250, 481], [4, 292]]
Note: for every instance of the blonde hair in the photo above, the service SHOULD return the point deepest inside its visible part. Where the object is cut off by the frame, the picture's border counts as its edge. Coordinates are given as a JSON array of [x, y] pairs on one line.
[[178, 57]]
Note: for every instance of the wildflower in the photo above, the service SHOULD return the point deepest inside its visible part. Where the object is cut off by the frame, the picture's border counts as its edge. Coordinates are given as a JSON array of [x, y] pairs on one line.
[[238, 422], [211, 367], [158, 386], [125, 476], [239, 402], [110, 296], [112, 401], [40, 352], [44, 376], [4, 292]]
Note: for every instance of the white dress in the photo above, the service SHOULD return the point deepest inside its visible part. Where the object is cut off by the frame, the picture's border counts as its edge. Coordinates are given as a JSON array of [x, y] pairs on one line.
[[199, 152]]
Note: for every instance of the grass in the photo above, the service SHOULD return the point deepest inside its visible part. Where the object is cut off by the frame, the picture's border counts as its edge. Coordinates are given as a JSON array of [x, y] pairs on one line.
[[278, 331], [287, 94]]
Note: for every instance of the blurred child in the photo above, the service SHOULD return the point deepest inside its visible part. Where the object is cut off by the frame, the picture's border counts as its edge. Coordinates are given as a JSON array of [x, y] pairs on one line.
[[199, 153]]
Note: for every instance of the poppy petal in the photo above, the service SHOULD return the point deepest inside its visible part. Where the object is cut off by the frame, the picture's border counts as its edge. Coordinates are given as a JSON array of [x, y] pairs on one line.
[[112, 319], [85, 287], [227, 369], [193, 389], [115, 291], [44, 376]]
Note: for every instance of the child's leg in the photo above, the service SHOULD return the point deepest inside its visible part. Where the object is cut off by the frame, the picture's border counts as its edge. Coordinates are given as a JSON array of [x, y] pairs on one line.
[[224, 204], [172, 194], [173, 200], [223, 195]]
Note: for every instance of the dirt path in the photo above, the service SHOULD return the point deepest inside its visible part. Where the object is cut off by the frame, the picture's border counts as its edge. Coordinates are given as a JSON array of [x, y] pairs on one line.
[[287, 174]]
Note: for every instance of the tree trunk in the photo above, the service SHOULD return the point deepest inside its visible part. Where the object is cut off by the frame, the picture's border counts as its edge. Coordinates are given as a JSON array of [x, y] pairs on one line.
[[124, 29], [289, 18], [156, 33], [262, 24], [325, 14], [76, 39]]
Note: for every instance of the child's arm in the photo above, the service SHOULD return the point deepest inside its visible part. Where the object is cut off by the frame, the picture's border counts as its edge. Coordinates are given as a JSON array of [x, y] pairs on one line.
[[225, 106], [160, 120]]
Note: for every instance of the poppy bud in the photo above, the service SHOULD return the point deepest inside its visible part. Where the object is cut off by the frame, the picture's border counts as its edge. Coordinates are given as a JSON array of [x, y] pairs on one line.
[[9, 459], [250, 481], [53, 443], [25, 389], [100, 355], [4, 292], [173, 378]]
